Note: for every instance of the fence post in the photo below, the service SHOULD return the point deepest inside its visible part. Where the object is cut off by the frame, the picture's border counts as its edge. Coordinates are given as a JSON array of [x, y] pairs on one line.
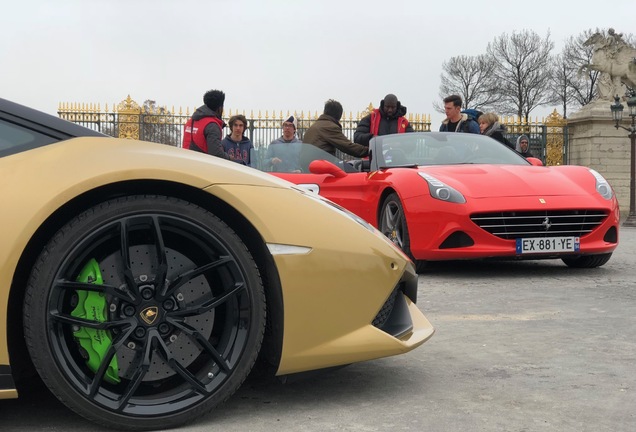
[[555, 131], [129, 116]]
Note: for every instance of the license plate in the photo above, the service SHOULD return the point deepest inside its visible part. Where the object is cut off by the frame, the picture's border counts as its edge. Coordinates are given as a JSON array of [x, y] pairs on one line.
[[540, 245]]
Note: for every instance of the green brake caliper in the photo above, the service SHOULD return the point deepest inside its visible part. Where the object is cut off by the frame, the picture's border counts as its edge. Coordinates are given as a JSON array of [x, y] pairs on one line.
[[91, 305]]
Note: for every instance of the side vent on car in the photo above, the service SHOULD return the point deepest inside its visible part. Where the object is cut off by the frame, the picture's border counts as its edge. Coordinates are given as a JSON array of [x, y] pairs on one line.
[[457, 239]]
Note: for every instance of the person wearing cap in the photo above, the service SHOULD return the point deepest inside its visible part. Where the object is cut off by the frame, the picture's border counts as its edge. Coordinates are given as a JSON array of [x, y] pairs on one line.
[[282, 153], [236, 144], [523, 146], [204, 131], [388, 119], [326, 133]]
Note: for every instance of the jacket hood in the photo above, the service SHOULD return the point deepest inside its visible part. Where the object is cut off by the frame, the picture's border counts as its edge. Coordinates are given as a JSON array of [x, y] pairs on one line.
[[520, 137], [495, 127], [202, 112], [327, 117], [463, 118], [399, 112]]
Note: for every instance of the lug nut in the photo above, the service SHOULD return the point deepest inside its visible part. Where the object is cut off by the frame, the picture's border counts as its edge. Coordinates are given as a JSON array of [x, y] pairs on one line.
[[129, 310], [168, 304], [140, 332], [164, 328]]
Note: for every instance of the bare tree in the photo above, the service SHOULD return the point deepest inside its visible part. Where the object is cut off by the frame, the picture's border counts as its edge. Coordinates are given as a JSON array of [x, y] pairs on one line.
[[583, 83], [522, 71], [564, 83], [471, 77]]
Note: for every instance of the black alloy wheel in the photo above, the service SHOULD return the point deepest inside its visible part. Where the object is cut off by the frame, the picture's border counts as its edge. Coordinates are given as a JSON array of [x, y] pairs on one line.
[[144, 312], [393, 223]]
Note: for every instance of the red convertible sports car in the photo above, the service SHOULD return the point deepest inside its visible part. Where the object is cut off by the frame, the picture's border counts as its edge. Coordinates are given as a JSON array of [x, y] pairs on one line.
[[447, 196]]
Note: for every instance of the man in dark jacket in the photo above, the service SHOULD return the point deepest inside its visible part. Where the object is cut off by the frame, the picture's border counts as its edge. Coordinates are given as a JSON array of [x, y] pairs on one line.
[[387, 119], [204, 131], [326, 133], [455, 120]]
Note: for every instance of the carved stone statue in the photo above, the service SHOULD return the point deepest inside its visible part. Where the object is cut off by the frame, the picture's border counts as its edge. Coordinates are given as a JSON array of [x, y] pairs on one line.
[[615, 59]]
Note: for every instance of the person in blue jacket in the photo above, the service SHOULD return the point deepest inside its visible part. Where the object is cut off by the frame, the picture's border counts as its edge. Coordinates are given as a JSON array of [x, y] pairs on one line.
[[236, 144]]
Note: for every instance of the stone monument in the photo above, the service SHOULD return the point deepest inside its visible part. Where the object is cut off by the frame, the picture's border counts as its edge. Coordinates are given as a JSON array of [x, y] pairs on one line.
[[593, 139]]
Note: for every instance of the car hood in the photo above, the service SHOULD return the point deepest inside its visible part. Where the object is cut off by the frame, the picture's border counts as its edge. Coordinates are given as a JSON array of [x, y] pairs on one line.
[[482, 181]]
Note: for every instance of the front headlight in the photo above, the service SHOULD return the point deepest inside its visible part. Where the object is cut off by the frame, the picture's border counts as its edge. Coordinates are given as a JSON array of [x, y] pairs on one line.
[[441, 191], [602, 186]]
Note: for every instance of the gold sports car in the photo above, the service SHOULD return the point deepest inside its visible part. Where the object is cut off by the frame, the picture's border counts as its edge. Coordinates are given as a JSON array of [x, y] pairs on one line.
[[142, 281]]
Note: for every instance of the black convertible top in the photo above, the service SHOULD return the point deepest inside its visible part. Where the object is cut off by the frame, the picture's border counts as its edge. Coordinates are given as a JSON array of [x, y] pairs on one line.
[[24, 115]]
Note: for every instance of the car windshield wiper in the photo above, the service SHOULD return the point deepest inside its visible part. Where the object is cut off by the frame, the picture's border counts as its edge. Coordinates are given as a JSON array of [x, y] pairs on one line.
[[399, 166]]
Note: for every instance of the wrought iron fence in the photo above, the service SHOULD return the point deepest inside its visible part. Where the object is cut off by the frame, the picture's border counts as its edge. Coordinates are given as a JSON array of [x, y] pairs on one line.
[[158, 124], [548, 137]]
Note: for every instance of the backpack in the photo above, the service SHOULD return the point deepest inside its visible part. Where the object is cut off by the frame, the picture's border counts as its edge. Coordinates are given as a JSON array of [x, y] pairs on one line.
[[473, 114]]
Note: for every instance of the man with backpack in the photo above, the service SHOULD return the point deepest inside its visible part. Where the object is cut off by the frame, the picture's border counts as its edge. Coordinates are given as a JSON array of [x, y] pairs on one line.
[[456, 120]]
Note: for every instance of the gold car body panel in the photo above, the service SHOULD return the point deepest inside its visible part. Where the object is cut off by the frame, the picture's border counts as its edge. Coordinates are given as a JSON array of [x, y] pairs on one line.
[[328, 315]]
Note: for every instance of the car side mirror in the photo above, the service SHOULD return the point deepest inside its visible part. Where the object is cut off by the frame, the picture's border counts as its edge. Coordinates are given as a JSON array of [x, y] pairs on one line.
[[534, 161], [325, 167]]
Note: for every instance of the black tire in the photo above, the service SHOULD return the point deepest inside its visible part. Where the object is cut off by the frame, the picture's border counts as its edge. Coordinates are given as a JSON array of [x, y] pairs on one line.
[[587, 261], [183, 306], [393, 223]]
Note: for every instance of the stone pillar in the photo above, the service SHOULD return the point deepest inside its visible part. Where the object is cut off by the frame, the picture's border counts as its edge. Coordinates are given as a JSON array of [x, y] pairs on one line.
[[595, 142]]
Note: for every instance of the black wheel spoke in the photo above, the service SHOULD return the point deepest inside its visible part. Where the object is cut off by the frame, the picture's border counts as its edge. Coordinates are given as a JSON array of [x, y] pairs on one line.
[[180, 369], [101, 371], [184, 278], [162, 266], [100, 288], [62, 318], [124, 244], [141, 370], [204, 306], [205, 344]]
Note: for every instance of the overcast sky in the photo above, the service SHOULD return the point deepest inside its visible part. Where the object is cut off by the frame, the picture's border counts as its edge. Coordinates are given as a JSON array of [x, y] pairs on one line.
[[267, 55]]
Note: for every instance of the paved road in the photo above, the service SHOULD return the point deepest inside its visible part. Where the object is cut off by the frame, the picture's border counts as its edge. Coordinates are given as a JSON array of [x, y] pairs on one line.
[[521, 346]]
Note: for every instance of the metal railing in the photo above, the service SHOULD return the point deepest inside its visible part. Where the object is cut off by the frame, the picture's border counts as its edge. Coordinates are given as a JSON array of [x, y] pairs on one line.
[[548, 137], [158, 124]]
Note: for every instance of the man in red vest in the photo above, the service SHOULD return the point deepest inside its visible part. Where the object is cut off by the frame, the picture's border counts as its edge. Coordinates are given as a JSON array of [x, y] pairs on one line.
[[387, 119], [204, 131]]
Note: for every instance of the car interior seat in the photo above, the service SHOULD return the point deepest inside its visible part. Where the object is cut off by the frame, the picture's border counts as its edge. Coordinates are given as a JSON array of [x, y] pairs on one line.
[[446, 155]]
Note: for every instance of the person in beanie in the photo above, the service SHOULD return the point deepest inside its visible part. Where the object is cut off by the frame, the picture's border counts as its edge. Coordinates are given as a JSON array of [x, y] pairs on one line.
[[387, 119], [204, 131], [283, 153], [236, 144], [523, 146], [326, 133], [489, 125]]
